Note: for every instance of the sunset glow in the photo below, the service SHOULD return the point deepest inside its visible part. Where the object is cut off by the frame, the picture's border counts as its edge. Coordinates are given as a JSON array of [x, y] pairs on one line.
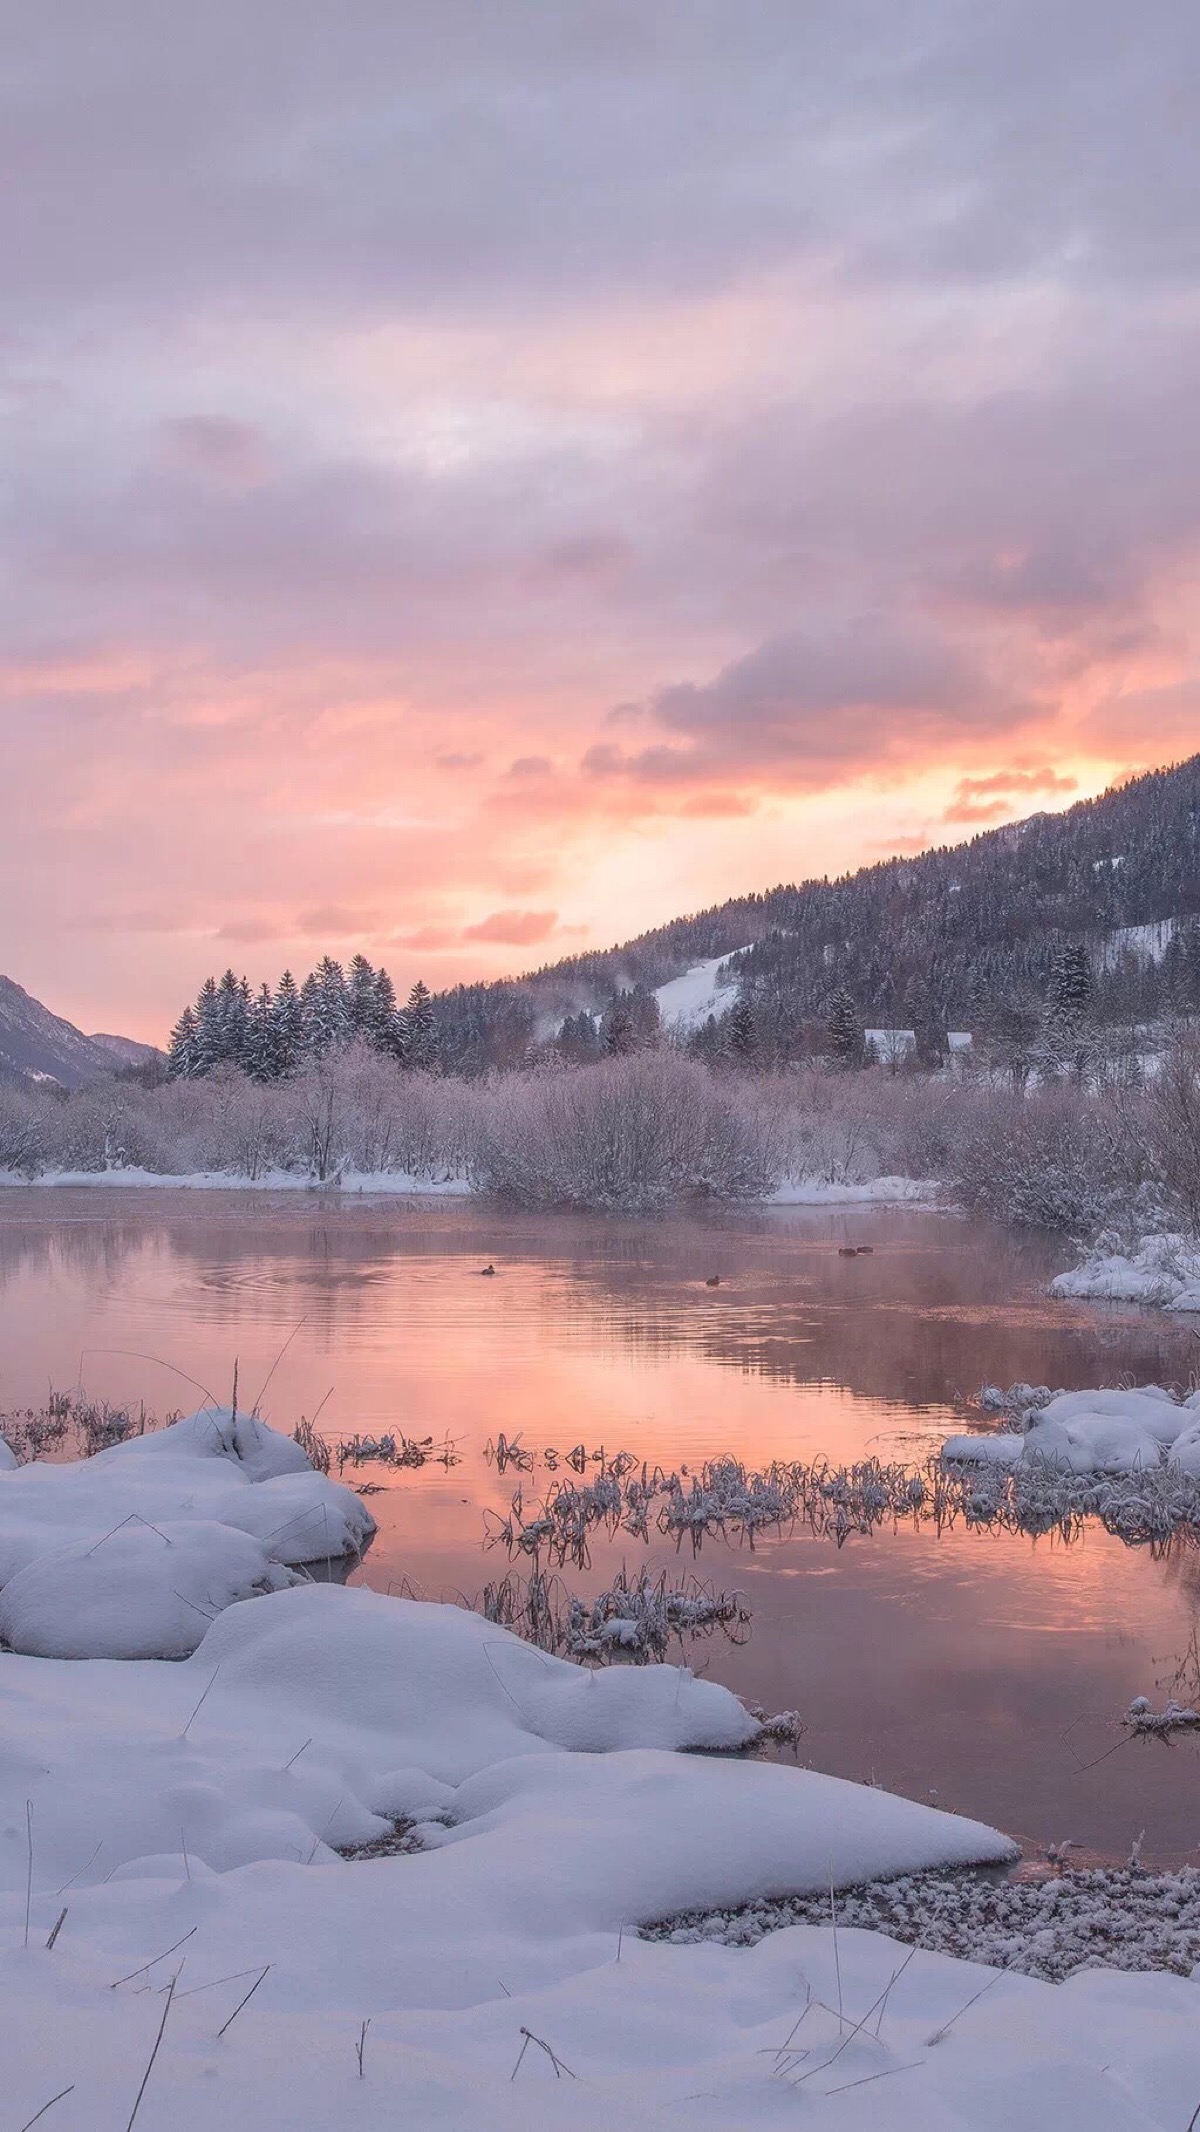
[[482, 482]]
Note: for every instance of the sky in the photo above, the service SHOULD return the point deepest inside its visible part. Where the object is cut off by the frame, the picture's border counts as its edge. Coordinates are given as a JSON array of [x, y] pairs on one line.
[[480, 479]]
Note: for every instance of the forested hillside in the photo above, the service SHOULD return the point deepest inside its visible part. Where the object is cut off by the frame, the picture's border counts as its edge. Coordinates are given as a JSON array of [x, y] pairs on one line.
[[1091, 915], [965, 937]]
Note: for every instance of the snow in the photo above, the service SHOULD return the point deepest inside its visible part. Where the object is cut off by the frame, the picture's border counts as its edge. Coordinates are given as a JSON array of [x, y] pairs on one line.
[[873, 1191], [1164, 1269], [183, 1815], [687, 1001], [220, 1473], [401, 1183], [144, 1592], [1096, 1432], [1147, 943]]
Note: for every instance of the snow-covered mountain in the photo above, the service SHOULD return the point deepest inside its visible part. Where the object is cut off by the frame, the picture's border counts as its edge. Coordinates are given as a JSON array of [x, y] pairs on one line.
[[126, 1050], [36, 1045]]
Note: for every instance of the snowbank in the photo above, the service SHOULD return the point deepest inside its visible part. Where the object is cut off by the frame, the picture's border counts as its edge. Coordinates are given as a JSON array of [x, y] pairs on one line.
[[1095, 1432], [874, 1191], [1164, 1270], [161, 1532], [493, 1979]]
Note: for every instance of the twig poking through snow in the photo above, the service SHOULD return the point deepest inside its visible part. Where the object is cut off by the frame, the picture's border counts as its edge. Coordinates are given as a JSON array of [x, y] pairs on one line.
[[243, 2002], [200, 1705], [360, 2047], [62, 2093], [560, 2065], [29, 1865], [155, 1959], [56, 1928], [137, 2100]]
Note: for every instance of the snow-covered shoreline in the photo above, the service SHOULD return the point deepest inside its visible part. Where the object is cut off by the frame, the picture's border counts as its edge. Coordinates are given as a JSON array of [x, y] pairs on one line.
[[405, 1184], [175, 1906]]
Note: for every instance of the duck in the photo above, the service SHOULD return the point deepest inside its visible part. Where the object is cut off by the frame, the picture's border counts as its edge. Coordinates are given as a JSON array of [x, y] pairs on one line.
[[864, 1250], [847, 1251], [488, 1269], [713, 1281]]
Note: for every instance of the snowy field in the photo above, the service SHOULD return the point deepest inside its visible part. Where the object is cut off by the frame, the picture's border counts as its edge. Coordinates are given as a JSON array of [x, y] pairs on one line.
[[181, 1920]]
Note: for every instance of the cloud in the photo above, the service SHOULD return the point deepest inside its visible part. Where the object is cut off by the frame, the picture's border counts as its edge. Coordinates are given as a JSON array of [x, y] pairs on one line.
[[817, 704], [530, 766], [517, 929], [748, 433], [1004, 793]]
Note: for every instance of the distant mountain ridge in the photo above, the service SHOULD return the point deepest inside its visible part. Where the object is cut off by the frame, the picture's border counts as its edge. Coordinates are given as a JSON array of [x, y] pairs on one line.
[[36, 1045]]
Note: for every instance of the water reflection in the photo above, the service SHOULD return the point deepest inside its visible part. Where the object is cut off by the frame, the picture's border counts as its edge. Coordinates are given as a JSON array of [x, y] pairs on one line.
[[983, 1667]]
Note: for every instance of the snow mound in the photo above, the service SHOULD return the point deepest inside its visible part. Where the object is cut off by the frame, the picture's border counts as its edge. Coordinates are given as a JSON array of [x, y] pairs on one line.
[[1101, 1431], [1164, 1270], [144, 1592], [215, 1471], [184, 1815]]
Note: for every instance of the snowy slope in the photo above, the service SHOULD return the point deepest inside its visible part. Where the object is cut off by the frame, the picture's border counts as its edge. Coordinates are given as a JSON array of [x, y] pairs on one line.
[[689, 1000], [36, 1044]]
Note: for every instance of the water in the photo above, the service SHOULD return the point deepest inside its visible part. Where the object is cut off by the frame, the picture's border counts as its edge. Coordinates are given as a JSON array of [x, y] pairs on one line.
[[980, 1670]]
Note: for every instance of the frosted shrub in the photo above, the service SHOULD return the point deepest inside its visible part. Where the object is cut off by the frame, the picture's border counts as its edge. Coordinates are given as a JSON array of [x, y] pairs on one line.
[[631, 1133]]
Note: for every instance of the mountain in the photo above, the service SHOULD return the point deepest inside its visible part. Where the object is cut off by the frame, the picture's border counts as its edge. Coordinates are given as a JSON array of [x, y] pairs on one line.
[[961, 937], [126, 1050], [39, 1046]]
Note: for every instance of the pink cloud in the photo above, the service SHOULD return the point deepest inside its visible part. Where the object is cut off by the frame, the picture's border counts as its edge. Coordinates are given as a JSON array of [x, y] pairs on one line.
[[517, 929]]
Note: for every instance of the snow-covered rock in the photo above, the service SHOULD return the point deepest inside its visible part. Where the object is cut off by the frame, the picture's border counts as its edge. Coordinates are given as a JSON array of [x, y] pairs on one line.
[[143, 1592], [1164, 1270], [248, 1492], [1099, 1431]]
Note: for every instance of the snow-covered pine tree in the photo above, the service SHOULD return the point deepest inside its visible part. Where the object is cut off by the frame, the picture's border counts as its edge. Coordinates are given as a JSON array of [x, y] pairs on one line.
[[326, 1007], [288, 1016], [208, 1028], [182, 1048], [743, 1031], [232, 1013], [385, 1023], [1066, 1046], [618, 1032], [419, 1044], [360, 1000], [258, 1055], [844, 1031]]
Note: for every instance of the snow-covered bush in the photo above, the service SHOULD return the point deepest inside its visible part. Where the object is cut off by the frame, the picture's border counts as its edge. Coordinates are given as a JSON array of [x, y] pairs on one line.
[[631, 1132]]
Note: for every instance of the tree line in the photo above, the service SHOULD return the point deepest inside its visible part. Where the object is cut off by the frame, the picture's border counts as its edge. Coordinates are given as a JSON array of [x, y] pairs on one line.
[[270, 1034]]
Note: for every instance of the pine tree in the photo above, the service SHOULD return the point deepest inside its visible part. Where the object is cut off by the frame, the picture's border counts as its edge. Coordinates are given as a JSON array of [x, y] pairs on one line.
[[419, 1036], [182, 1053], [259, 1056], [208, 1049], [232, 1014], [1068, 998], [618, 1033], [288, 1015], [743, 1031], [361, 1000], [385, 1022], [326, 1007], [844, 1031]]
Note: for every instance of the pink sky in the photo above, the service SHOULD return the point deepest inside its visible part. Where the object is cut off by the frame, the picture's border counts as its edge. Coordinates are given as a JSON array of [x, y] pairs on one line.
[[478, 483]]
